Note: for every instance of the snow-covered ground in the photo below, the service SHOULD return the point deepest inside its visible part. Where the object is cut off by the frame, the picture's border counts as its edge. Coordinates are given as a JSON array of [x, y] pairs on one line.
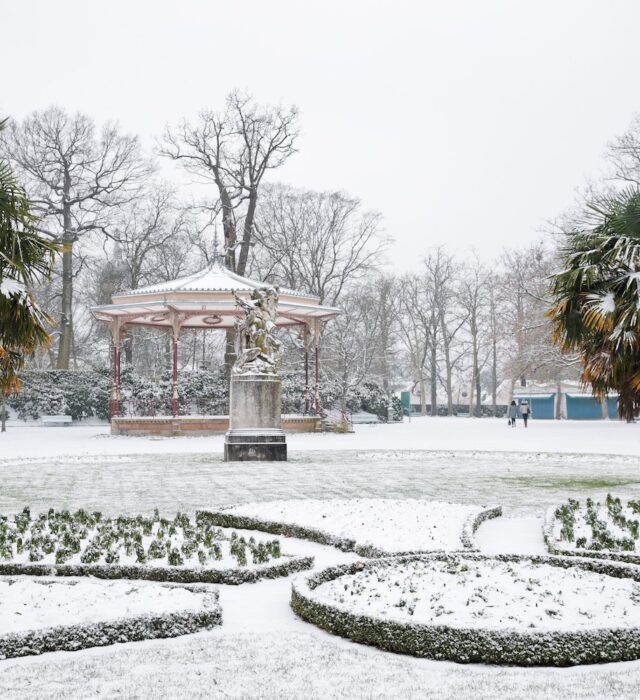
[[387, 525], [32, 604], [491, 594], [262, 650], [422, 433]]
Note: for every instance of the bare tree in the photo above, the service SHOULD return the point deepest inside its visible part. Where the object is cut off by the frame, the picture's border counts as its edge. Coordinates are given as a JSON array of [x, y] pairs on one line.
[[234, 150], [319, 242], [473, 300], [350, 342], [74, 178], [413, 328]]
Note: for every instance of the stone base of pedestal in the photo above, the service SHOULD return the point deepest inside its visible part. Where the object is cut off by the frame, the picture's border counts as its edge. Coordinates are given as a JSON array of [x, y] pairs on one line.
[[255, 423], [255, 445]]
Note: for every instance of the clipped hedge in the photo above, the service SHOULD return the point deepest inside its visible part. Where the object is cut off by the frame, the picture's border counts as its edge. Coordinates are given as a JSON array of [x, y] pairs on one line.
[[556, 548], [223, 518], [98, 634], [231, 577], [471, 645]]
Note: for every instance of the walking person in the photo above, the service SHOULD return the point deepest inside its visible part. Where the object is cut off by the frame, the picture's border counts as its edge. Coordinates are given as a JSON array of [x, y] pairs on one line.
[[525, 410], [512, 414]]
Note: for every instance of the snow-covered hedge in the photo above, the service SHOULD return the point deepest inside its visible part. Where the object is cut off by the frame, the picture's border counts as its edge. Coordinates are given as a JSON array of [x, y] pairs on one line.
[[86, 393], [470, 644], [370, 527], [140, 547], [607, 531], [122, 629]]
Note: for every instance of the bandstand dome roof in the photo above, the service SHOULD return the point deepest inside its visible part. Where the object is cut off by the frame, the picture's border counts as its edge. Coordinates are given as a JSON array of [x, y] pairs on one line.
[[205, 300]]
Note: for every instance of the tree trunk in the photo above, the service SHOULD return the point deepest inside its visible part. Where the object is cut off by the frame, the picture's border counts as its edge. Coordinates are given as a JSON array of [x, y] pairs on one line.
[[605, 408], [446, 344], [558, 399], [434, 386], [3, 414], [127, 344], [423, 393], [66, 315], [494, 375], [247, 231]]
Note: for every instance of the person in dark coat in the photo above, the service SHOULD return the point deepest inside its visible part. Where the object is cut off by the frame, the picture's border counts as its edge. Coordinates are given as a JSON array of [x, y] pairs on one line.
[[512, 414], [525, 410]]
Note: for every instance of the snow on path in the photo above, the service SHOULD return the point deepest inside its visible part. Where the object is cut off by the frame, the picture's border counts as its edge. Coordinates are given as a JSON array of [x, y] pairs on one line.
[[423, 433], [521, 535]]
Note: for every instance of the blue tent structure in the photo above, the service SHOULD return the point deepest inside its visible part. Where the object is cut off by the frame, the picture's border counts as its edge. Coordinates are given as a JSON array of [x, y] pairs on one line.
[[586, 407], [542, 405]]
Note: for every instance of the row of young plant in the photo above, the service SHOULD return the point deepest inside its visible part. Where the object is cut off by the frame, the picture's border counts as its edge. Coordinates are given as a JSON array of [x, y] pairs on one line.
[[86, 393], [134, 629], [601, 536], [470, 645], [58, 537]]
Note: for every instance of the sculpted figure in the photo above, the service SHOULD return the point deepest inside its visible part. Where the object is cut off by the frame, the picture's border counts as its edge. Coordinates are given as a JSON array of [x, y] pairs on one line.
[[257, 349]]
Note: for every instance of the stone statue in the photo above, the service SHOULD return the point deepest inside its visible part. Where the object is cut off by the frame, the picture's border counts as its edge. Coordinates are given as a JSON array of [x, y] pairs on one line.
[[257, 349]]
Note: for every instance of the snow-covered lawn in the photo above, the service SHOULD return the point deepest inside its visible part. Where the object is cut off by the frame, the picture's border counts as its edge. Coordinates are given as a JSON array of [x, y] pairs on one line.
[[32, 604], [422, 433], [383, 526], [489, 594]]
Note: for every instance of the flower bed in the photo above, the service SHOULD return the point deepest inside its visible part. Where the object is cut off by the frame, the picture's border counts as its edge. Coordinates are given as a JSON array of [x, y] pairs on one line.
[[371, 527], [507, 609], [609, 531], [41, 615], [160, 549]]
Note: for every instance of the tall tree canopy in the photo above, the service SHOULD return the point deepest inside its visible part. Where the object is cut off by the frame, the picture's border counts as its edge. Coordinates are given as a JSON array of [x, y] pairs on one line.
[[75, 179], [596, 309], [24, 256]]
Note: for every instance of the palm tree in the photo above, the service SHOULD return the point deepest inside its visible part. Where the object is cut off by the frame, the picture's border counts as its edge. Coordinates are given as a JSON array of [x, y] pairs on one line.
[[24, 257], [596, 310]]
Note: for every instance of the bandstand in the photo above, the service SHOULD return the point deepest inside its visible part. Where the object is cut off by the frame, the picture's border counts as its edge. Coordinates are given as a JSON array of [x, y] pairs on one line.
[[205, 300]]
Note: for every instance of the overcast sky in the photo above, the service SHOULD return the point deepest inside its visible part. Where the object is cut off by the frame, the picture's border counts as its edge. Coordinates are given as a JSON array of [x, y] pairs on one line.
[[469, 122]]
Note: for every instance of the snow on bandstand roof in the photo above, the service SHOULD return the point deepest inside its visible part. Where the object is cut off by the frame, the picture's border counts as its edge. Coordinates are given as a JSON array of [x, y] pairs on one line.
[[205, 300]]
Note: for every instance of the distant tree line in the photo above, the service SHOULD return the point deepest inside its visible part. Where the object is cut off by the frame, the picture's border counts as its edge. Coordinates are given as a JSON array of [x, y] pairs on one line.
[[455, 328]]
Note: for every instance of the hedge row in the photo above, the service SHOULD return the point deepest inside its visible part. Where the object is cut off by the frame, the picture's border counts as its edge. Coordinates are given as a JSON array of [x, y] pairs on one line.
[[470, 645], [84, 393], [98, 634], [555, 547], [231, 577], [224, 518]]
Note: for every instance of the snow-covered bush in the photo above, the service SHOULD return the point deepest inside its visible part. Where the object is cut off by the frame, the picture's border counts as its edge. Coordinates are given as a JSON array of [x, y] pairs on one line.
[[42, 627], [78, 393], [175, 549], [404, 605], [86, 393]]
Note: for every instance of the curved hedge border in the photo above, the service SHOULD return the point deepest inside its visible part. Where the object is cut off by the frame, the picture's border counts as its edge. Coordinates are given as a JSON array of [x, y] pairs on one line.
[[554, 547], [98, 634], [165, 574], [471, 645], [223, 518]]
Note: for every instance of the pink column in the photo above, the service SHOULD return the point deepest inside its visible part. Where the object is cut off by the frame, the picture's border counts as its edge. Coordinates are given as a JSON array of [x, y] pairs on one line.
[[116, 388], [307, 397], [174, 380], [317, 387]]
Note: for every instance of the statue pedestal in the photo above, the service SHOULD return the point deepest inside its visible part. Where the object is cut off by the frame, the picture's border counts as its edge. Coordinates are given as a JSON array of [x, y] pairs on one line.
[[255, 432]]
